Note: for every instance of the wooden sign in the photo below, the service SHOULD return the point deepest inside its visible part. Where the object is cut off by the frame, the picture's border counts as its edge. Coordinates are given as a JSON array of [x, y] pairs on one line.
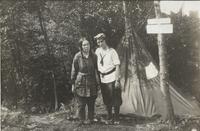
[[160, 29], [159, 21], [159, 26]]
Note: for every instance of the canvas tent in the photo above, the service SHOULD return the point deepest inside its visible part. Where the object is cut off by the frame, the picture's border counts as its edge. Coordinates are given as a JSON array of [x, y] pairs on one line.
[[142, 96]]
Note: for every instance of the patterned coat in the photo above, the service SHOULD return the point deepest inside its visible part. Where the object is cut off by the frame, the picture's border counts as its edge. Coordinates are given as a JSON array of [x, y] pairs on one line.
[[84, 75]]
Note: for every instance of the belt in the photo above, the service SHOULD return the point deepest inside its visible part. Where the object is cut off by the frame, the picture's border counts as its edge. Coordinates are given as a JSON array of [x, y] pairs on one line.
[[107, 73]]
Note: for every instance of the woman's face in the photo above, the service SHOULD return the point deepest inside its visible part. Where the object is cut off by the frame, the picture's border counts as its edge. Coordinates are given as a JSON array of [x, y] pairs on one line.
[[86, 46], [101, 43]]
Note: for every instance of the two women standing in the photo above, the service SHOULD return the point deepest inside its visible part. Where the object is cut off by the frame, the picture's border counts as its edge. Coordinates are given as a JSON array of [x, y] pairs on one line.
[[86, 69]]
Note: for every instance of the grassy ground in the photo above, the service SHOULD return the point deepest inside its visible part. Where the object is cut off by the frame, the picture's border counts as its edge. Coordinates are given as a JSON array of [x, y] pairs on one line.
[[58, 121], [61, 121]]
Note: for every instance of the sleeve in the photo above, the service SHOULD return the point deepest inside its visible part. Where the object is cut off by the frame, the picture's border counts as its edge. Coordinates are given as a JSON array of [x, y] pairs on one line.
[[95, 61], [75, 69], [97, 75], [97, 54], [115, 58]]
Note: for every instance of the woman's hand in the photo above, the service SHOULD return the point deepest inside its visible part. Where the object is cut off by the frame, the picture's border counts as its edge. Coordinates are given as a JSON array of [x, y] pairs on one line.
[[117, 84], [98, 87], [73, 88], [117, 81]]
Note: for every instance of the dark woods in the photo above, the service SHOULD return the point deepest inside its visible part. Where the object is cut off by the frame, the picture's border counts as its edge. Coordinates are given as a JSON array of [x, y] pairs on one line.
[[40, 38]]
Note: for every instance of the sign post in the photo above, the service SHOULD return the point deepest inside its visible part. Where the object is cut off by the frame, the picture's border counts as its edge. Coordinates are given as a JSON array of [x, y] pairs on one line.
[[162, 26]]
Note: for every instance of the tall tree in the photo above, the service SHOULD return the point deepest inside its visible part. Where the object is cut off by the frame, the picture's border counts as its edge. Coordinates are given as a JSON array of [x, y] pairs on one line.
[[163, 69], [49, 51]]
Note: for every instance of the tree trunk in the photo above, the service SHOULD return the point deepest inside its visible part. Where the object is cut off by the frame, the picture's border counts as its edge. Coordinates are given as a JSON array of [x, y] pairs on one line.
[[163, 70], [15, 89], [17, 63], [43, 29], [50, 54], [55, 91], [82, 14]]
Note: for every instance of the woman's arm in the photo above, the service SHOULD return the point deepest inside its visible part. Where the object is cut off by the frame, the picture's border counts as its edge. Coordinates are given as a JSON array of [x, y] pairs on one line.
[[74, 71], [117, 76], [116, 62], [97, 75]]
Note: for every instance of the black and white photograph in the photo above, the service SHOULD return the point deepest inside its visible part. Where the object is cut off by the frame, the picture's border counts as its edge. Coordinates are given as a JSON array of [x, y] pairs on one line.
[[100, 65]]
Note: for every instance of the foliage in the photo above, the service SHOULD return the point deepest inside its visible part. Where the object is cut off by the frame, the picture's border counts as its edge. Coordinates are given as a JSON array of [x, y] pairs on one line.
[[183, 52], [26, 64]]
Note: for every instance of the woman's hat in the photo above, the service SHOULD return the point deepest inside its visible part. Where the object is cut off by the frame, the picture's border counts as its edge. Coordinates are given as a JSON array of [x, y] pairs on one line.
[[100, 36]]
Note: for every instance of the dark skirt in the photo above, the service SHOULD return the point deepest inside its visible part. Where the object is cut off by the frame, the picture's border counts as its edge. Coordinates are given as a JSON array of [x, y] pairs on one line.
[[111, 96]]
